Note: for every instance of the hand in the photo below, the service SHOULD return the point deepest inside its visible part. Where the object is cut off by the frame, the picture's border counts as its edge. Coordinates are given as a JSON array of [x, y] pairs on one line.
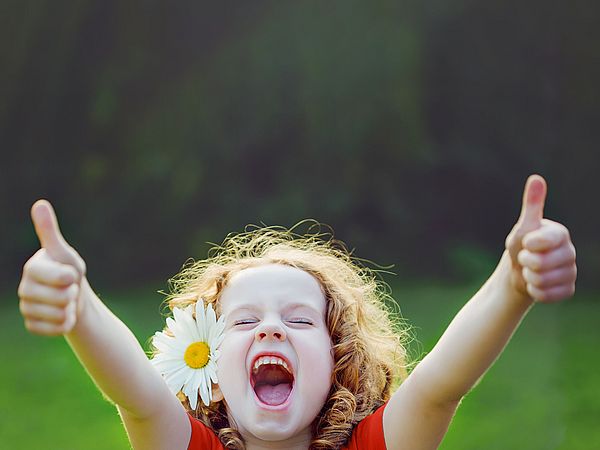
[[51, 283], [541, 251]]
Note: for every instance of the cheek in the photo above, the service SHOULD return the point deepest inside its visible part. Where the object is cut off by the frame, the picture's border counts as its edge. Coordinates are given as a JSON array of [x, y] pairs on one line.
[[317, 360], [231, 366]]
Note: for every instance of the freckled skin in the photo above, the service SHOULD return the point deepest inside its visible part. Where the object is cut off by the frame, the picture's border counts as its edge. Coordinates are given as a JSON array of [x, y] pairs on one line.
[[274, 302]]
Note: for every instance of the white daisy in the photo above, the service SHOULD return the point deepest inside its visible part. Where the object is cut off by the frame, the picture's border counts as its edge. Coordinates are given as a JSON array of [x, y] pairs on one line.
[[187, 360]]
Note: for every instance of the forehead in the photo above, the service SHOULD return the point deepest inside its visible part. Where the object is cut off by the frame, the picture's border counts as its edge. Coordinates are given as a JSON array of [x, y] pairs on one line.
[[272, 285]]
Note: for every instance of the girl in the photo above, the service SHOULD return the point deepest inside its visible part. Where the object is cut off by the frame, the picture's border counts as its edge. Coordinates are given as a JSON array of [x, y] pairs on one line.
[[303, 354]]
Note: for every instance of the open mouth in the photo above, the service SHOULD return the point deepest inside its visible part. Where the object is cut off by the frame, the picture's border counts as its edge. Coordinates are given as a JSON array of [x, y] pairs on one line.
[[272, 380]]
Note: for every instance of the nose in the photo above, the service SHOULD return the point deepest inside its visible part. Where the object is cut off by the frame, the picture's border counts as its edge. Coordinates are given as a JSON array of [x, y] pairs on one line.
[[270, 331]]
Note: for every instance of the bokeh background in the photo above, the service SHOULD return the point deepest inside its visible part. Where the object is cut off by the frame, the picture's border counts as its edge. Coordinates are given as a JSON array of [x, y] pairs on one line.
[[409, 127]]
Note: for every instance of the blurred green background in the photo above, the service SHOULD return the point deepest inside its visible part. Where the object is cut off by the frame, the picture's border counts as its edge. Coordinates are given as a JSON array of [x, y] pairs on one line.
[[409, 127]]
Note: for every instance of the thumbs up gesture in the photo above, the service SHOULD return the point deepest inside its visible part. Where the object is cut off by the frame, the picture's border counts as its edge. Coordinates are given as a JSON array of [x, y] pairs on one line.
[[50, 286], [540, 250]]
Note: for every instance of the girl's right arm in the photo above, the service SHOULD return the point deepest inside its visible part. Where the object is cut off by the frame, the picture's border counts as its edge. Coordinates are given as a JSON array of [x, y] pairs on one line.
[[55, 299]]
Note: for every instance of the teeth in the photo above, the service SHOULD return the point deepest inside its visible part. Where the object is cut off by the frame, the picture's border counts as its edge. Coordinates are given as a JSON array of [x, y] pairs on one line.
[[270, 360]]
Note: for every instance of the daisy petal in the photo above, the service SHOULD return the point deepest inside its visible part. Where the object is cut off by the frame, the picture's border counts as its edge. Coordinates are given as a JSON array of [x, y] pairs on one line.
[[159, 357], [218, 340], [192, 388], [193, 399], [211, 369], [167, 344], [209, 385], [167, 365], [189, 380], [175, 327], [201, 324], [211, 321], [204, 394], [218, 330], [186, 321], [176, 378]]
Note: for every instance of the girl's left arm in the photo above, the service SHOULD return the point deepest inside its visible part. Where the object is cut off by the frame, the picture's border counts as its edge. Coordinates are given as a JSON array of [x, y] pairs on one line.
[[537, 266]]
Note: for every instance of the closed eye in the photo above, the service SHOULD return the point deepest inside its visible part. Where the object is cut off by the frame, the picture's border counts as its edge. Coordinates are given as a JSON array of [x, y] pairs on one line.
[[304, 321], [244, 321]]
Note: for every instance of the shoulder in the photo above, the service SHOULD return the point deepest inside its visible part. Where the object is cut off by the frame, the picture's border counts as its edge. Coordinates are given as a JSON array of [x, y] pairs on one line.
[[203, 438], [369, 432]]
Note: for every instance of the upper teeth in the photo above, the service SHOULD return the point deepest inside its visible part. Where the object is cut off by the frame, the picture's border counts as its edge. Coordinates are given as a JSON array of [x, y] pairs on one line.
[[269, 360]]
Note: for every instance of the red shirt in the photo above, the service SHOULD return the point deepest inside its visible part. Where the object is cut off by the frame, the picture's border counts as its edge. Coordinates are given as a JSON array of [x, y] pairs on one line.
[[368, 434]]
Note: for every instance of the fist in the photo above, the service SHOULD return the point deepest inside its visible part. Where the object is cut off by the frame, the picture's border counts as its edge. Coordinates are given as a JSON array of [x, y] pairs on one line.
[[49, 290], [541, 252]]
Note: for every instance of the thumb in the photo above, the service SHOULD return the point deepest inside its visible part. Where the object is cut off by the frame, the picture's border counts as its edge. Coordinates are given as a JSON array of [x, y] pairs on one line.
[[532, 211], [51, 239]]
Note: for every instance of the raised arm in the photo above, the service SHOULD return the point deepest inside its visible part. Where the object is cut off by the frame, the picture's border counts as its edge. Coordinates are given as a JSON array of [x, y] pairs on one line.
[[56, 299], [538, 265]]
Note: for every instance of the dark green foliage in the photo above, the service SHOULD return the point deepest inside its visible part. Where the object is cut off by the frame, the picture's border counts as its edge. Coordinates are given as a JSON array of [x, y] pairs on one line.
[[408, 126]]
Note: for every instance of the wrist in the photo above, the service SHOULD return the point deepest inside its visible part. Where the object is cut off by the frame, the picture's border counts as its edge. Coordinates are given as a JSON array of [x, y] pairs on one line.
[[82, 307], [508, 279]]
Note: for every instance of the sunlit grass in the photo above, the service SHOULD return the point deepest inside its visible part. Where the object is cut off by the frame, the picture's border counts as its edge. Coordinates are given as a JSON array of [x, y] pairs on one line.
[[541, 394]]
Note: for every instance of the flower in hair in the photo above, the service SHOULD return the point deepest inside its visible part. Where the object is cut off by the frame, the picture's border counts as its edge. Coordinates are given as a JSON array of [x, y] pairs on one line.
[[187, 359]]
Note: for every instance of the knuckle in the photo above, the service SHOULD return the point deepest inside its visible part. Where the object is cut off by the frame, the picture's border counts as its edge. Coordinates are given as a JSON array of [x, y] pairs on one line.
[[538, 280], [66, 327], [522, 257], [81, 266], [23, 308], [22, 289], [536, 293], [60, 316], [563, 230], [541, 295], [30, 326], [63, 297], [67, 275], [531, 277], [572, 251], [535, 262], [529, 241], [62, 301], [73, 273], [28, 311], [72, 292], [28, 267]]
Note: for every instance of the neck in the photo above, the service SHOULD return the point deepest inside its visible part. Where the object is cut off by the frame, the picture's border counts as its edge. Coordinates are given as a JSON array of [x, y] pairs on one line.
[[300, 441]]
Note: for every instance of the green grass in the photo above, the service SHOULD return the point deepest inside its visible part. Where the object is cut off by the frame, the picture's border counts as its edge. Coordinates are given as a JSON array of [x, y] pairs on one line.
[[542, 393]]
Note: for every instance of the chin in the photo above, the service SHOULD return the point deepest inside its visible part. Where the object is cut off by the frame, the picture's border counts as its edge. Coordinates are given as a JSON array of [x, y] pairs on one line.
[[274, 433]]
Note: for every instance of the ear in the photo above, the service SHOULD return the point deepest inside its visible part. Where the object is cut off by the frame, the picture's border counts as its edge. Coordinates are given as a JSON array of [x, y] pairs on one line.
[[217, 395]]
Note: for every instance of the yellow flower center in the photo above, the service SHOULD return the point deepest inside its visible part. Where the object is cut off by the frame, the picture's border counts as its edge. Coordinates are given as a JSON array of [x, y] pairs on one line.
[[196, 355]]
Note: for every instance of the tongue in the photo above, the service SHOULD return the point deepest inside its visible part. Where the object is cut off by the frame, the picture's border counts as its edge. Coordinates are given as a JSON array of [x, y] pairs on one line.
[[273, 395]]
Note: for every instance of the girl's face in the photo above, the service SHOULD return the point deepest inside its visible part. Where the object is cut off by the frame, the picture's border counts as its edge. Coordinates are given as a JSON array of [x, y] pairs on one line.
[[275, 317]]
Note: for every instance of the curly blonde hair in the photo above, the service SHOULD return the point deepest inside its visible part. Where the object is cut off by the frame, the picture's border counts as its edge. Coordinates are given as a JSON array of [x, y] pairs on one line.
[[368, 337]]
